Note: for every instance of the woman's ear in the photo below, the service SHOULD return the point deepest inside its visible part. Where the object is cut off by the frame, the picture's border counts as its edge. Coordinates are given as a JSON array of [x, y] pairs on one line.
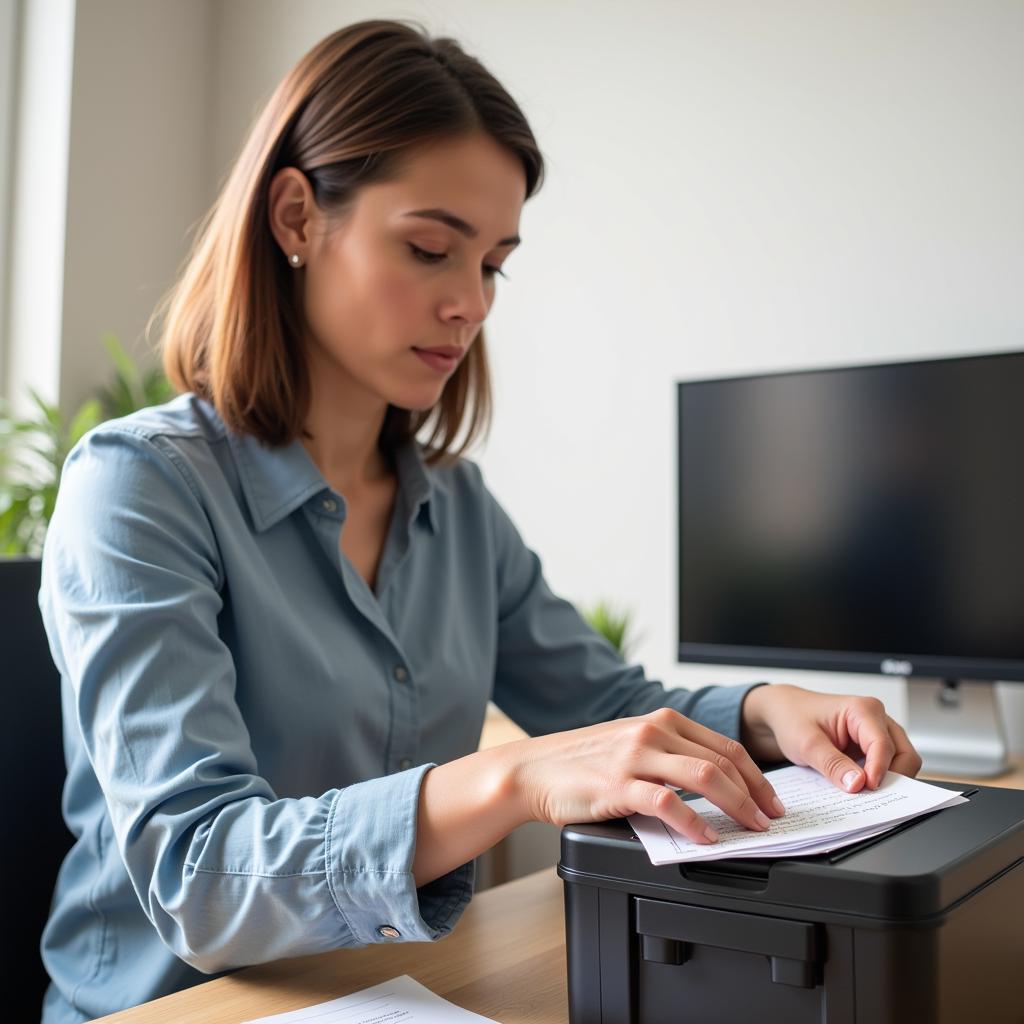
[[291, 209]]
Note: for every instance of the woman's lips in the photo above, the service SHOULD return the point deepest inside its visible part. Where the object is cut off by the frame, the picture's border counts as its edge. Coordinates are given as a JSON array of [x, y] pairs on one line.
[[444, 360]]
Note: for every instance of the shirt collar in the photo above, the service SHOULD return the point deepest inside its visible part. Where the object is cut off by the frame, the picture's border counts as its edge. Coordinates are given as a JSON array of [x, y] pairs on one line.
[[276, 481], [415, 486]]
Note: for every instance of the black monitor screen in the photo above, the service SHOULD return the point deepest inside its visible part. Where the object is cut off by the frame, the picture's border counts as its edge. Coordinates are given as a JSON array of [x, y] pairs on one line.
[[837, 517]]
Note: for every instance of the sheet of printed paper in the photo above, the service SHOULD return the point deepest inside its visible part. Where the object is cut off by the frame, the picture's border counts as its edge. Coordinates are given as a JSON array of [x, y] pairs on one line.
[[401, 1000], [818, 818]]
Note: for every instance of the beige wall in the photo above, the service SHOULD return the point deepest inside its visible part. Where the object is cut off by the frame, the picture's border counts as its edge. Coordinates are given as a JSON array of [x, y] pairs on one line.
[[112, 168], [139, 170]]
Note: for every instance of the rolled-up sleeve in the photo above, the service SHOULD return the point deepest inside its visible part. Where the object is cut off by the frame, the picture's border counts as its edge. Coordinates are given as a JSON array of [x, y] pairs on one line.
[[228, 873], [371, 847], [555, 672]]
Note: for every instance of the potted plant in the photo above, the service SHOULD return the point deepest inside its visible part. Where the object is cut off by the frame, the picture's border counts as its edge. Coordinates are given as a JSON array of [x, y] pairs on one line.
[[33, 449]]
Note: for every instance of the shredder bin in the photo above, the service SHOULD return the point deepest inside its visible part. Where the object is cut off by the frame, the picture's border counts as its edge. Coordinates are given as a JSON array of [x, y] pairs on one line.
[[924, 925]]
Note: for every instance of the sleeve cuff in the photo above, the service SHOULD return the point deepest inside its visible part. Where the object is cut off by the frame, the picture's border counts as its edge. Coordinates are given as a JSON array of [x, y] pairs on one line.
[[370, 845]]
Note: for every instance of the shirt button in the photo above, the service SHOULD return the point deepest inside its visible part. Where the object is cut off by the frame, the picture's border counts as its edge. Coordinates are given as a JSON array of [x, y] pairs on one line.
[[385, 931], [400, 674], [405, 764], [329, 505]]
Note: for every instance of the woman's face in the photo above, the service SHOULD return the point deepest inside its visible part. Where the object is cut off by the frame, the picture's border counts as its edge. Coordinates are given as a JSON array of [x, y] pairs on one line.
[[411, 267]]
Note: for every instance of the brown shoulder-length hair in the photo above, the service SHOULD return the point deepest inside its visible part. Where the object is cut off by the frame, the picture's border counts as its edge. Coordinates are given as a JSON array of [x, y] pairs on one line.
[[231, 328]]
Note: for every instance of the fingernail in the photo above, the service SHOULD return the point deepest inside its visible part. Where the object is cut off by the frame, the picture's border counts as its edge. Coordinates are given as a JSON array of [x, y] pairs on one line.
[[710, 835], [778, 805], [850, 778], [762, 819]]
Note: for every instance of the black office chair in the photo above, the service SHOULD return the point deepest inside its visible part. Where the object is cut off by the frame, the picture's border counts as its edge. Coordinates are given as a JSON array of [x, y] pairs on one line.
[[32, 759]]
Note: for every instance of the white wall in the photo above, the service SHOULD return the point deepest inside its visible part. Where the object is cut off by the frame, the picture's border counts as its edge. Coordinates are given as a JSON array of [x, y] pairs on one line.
[[732, 187], [10, 25], [33, 314]]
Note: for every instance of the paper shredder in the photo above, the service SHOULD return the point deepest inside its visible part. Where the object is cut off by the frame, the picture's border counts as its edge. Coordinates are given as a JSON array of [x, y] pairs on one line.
[[924, 925]]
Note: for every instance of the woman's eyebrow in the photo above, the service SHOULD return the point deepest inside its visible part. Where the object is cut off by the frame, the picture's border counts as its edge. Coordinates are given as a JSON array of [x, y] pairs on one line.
[[449, 218]]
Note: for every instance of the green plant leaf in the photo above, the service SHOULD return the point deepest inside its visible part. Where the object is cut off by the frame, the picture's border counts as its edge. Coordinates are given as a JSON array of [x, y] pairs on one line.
[[131, 389], [118, 399], [124, 365], [26, 426], [156, 388], [33, 448], [51, 414], [612, 623], [16, 527], [89, 415]]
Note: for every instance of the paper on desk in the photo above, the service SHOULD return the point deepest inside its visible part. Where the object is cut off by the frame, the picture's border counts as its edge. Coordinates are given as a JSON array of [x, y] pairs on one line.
[[818, 818], [401, 999]]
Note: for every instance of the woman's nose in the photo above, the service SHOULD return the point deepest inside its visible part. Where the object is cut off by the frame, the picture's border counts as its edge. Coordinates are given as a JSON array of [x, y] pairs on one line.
[[469, 301]]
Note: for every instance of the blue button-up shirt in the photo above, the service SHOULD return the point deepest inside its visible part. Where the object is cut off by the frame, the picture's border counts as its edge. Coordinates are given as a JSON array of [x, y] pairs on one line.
[[247, 723]]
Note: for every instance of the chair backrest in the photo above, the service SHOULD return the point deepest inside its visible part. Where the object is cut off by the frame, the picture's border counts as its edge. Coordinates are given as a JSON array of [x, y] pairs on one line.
[[32, 760]]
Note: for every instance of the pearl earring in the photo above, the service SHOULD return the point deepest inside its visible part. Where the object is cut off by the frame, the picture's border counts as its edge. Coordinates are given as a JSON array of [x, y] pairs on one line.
[[295, 259]]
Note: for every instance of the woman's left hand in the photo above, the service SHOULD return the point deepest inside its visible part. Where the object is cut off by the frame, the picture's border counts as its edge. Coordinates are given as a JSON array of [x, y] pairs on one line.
[[828, 733]]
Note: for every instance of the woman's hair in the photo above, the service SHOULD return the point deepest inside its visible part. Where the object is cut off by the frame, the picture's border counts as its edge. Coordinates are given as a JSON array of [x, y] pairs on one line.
[[345, 115]]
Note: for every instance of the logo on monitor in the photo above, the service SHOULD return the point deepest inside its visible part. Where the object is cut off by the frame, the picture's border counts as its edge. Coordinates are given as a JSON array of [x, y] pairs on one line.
[[895, 667]]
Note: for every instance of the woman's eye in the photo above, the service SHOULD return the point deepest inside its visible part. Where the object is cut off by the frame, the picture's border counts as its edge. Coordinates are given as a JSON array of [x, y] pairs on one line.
[[426, 255], [429, 257]]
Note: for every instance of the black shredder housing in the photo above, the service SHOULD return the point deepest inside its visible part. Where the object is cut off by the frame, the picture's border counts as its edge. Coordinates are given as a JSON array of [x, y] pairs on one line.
[[924, 925]]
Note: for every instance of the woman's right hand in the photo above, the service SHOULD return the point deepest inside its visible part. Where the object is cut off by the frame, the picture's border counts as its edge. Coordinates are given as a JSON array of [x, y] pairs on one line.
[[625, 766]]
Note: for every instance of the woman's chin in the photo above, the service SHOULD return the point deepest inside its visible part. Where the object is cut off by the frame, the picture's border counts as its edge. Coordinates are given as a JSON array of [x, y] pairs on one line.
[[417, 399]]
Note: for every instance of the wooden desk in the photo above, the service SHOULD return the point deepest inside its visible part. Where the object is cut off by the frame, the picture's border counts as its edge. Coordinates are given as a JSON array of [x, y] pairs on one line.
[[505, 959], [1013, 779]]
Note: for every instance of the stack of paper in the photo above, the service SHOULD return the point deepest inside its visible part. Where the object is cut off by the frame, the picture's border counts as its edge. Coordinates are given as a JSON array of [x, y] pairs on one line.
[[818, 818]]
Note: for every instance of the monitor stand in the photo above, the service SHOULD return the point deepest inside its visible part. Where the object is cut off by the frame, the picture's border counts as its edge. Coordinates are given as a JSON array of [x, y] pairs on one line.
[[957, 727]]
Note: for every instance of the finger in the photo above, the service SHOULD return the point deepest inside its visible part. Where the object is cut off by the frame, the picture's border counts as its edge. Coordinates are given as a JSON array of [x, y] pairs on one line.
[[842, 771], [662, 803], [704, 775], [907, 760], [757, 785], [870, 731], [688, 748]]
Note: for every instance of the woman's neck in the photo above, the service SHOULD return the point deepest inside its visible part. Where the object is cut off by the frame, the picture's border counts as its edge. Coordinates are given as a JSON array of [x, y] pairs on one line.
[[344, 423]]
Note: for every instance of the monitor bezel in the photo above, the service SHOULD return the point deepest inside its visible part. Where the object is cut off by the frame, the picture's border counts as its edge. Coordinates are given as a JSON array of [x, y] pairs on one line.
[[886, 663]]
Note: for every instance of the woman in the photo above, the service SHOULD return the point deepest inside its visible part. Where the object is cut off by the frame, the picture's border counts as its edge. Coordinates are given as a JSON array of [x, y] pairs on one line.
[[278, 617]]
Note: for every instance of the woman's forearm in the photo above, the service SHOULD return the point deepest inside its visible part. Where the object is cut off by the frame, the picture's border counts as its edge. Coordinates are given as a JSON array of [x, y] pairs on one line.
[[466, 806]]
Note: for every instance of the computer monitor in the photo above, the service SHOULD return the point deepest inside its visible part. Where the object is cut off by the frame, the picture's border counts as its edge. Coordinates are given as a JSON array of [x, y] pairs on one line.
[[863, 519]]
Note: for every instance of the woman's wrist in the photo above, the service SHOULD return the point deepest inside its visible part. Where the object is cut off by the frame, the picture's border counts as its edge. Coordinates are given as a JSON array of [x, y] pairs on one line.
[[506, 761], [466, 806], [755, 732]]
